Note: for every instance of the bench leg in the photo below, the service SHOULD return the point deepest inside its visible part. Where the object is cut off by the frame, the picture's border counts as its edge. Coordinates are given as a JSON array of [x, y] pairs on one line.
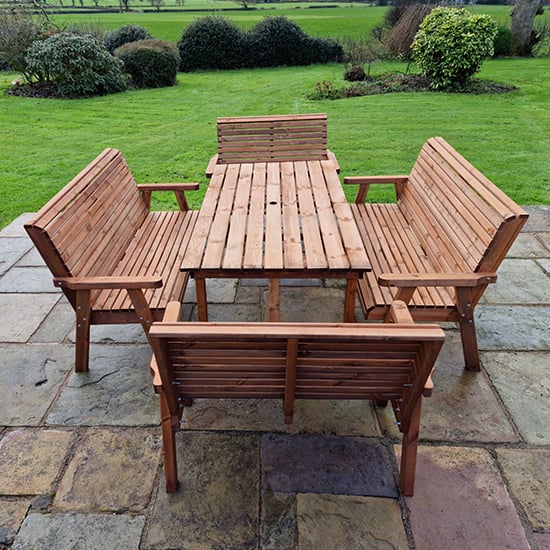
[[468, 329], [82, 342], [169, 447], [409, 452], [349, 301], [274, 310]]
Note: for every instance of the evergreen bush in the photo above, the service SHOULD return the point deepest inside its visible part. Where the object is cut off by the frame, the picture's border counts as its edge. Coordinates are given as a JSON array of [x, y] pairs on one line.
[[78, 65], [150, 63], [125, 35], [211, 42], [451, 46]]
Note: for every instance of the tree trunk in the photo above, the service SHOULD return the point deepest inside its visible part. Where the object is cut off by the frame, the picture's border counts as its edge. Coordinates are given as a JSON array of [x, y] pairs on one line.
[[523, 19]]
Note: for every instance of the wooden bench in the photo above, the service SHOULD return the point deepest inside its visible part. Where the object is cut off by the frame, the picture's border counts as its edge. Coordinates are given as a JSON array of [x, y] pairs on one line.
[[104, 246], [273, 138], [439, 246], [288, 361]]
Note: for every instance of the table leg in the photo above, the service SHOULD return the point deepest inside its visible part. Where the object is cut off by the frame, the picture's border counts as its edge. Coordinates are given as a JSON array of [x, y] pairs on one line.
[[274, 313], [349, 301], [202, 308]]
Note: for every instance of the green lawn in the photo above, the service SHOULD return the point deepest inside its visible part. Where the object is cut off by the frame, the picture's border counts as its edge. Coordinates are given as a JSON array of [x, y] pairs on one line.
[[169, 134]]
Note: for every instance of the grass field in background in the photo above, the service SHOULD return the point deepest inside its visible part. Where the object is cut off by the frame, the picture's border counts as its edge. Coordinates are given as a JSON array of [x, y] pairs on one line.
[[169, 134], [348, 20]]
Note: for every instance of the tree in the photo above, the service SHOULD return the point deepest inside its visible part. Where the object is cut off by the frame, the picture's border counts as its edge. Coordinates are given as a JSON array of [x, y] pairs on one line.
[[523, 20]]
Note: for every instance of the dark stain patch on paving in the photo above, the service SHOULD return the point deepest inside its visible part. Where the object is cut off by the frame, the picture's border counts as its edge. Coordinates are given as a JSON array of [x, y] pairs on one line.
[[327, 464]]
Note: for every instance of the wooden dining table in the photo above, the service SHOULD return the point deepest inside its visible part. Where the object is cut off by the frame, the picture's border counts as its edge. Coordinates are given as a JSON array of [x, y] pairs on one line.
[[276, 220]]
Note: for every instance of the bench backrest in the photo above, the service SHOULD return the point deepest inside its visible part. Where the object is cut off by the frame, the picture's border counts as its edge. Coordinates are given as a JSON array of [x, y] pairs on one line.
[[84, 229], [295, 360], [272, 138], [465, 223]]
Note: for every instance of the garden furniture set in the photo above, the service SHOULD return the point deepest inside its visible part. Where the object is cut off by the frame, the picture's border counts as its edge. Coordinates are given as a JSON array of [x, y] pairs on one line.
[[275, 209]]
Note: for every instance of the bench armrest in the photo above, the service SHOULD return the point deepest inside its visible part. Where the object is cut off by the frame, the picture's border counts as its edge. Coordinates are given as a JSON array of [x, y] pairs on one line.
[[178, 188], [436, 279], [365, 182], [332, 157], [101, 283]]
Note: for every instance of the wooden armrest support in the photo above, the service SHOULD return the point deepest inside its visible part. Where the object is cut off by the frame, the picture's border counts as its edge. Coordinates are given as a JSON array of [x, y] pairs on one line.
[[429, 386], [436, 279], [99, 283], [399, 313], [178, 188], [168, 186], [365, 182]]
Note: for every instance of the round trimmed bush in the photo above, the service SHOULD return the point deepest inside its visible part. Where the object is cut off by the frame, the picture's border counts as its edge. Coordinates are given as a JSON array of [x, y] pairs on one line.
[[211, 42], [125, 35], [276, 41], [451, 45], [150, 63], [77, 64]]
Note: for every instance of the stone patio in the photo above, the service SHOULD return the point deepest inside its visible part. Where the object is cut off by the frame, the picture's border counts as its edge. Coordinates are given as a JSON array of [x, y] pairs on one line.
[[81, 461]]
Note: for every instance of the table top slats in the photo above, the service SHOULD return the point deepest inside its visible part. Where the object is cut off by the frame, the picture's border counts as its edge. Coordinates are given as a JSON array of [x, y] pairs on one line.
[[313, 243], [293, 253], [234, 250], [328, 223], [273, 227], [276, 219], [215, 246], [253, 254]]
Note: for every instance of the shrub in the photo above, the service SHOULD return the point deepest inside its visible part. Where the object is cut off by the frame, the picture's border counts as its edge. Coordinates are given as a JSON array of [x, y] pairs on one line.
[[355, 73], [211, 42], [125, 35], [18, 30], [150, 63], [503, 42], [78, 65], [276, 41], [323, 50], [451, 45]]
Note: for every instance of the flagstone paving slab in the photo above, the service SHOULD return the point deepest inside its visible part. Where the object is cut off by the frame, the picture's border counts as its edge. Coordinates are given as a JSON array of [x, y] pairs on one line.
[[352, 522], [15, 228], [57, 325], [327, 464], [523, 383], [528, 472], [278, 521], [463, 407], [116, 391], [82, 531], [310, 304], [527, 245], [232, 312], [513, 328], [218, 291], [111, 471], [352, 417], [32, 259], [30, 460], [12, 249], [30, 378], [545, 265], [543, 540], [12, 514], [22, 314], [217, 505], [28, 279], [539, 219], [461, 501], [519, 282]]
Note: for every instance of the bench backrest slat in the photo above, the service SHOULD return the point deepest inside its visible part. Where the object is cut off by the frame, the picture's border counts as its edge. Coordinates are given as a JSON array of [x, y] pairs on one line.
[[272, 138], [464, 222], [245, 360], [67, 229]]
